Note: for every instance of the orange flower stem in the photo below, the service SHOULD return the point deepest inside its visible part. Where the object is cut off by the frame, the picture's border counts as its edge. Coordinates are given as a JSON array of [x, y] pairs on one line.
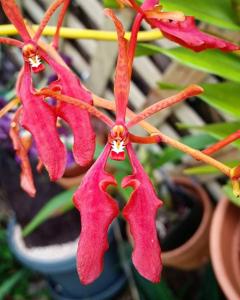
[[223, 143], [153, 139], [52, 8], [190, 91]]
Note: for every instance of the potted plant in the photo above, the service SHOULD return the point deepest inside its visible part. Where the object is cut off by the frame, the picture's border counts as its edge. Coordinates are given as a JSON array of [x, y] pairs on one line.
[[225, 247], [96, 206], [188, 245]]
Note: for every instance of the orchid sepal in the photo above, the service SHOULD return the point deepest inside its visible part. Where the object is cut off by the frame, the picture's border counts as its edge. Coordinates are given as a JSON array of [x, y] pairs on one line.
[[97, 211], [140, 212]]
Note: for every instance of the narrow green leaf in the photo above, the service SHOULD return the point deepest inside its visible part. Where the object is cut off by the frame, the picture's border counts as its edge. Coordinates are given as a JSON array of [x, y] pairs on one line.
[[226, 65], [217, 130], [209, 288], [203, 170], [229, 193], [57, 205], [236, 7], [151, 291], [223, 96], [170, 86], [170, 154], [216, 12], [9, 283], [114, 4]]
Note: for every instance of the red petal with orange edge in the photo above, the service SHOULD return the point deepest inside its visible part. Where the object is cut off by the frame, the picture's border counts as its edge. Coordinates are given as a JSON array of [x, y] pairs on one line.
[[26, 177], [140, 212], [39, 118], [188, 35], [14, 15], [97, 211], [78, 119], [185, 32]]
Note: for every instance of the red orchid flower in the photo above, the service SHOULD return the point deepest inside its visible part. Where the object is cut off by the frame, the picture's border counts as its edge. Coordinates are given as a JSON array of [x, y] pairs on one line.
[[96, 207], [38, 116], [178, 28]]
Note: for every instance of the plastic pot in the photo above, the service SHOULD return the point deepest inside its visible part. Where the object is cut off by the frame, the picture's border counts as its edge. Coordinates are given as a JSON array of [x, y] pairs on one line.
[[225, 247], [62, 275]]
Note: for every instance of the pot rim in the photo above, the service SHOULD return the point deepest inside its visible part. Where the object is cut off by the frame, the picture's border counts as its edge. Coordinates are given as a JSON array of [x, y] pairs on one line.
[[215, 249], [207, 213], [60, 265]]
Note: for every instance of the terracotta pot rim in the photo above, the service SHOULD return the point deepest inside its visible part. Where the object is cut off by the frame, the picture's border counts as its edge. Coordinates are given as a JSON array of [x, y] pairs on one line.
[[207, 213], [215, 244], [69, 182]]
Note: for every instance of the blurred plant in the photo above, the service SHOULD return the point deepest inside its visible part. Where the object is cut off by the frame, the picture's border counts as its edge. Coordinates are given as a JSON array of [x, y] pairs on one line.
[[14, 279]]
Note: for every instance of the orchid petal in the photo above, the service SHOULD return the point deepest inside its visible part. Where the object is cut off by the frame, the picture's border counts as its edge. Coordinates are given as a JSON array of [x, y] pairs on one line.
[[188, 35], [51, 10], [122, 79], [149, 4], [97, 211], [11, 42], [59, 23], [192, 90], [184, 32], [140, 212], [26, 177], [13, 13], [78, 119], [39, 118]]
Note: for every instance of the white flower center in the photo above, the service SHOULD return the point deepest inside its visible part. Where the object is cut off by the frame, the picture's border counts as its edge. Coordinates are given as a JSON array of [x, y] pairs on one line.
[[118, 147], [35, 61]]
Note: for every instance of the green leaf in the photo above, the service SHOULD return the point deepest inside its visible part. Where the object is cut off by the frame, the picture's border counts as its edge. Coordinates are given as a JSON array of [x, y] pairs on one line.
[[229, 193], [170, 86], [209, 288], [216, 12], [170, 154], [9, 283], [57, 205], [205, 169], [217, 130], [223, 96], [152, 291], [114, 4], [226, 65]]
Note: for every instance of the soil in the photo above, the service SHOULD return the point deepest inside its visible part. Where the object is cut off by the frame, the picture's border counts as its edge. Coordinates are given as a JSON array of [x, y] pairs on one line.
[[57, 230], [179, 218]]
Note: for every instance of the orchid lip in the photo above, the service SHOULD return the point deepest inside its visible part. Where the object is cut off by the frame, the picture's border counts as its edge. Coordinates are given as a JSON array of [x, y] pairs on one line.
[[118, 146], [35, 61], [118, 138]]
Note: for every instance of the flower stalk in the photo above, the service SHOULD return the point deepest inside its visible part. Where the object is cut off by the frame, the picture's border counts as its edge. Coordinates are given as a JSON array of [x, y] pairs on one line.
[[86, 34]]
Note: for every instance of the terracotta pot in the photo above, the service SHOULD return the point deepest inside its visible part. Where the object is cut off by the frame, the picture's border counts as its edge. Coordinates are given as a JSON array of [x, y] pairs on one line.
[[195, 252], [225, 247]]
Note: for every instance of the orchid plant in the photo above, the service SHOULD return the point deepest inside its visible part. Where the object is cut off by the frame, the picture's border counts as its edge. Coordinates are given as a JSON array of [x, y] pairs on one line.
[[75, 104]]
